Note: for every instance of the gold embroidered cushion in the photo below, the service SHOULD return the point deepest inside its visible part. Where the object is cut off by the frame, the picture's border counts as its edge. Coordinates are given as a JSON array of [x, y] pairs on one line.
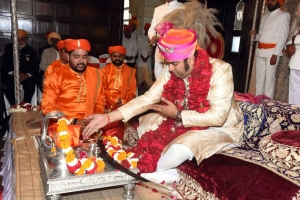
[[282, 149]]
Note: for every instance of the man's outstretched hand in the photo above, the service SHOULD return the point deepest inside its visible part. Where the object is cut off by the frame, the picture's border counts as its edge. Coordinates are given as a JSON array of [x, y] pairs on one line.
[[95, 122]]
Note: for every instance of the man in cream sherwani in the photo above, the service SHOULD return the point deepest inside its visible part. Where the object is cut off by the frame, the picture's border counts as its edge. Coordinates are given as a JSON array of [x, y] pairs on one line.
[[214, 122], [159, 13], [293, 48], [272, 36]]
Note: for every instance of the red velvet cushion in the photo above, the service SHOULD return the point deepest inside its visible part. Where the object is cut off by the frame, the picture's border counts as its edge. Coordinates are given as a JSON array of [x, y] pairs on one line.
[[231, 178], [291, 138]]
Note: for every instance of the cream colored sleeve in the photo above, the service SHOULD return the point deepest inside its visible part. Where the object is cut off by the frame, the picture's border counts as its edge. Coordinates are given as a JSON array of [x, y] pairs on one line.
[[142, 103], [219, 96]]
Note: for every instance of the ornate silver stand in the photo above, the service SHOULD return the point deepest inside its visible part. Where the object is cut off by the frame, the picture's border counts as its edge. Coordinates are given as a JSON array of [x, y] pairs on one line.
[[59, 183]]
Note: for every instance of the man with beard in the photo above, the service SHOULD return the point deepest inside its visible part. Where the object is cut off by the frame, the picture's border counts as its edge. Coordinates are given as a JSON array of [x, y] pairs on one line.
[[272, 36], [196, 113], [29, 68], [119, 86], [75, 89]]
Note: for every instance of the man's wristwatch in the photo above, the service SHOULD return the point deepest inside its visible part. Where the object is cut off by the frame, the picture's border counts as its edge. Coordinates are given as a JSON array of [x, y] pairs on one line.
[[178, 116]]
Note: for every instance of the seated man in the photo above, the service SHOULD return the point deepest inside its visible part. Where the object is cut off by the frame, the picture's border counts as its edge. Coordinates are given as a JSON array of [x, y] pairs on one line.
[[76, 90], [119, 86], [28, 68], [63, 61], [196, 112]]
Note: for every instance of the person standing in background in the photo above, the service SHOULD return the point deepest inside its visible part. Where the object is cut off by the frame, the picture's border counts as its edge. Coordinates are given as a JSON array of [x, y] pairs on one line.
[[272, 36], [293, 48], [48, 56], [130, 44], [133, 22], [159, 13], [144, 58]]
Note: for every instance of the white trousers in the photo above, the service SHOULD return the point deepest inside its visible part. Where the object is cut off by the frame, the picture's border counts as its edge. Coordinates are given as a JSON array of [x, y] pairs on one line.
[[294, 87], [176, 154], [265, 76], [158, 69]]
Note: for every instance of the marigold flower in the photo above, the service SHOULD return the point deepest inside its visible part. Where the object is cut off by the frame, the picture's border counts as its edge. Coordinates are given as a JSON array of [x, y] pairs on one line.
[[101, 165], [64, 137], [65, 144], [79, 171], [70, 158], [122, 155], [87, 163], [62, 122], [62, 128], [69, 152], [114, 141]]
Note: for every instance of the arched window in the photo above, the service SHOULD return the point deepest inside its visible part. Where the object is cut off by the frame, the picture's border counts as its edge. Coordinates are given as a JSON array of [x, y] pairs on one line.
[[126, 14]]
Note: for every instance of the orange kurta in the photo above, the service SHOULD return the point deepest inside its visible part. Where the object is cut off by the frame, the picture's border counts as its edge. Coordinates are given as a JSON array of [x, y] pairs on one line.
[[118, 83], [74, 94], [53, 67]]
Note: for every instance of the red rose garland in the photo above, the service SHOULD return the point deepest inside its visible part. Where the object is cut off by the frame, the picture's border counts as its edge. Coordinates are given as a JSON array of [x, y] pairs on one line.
[[152, 143]]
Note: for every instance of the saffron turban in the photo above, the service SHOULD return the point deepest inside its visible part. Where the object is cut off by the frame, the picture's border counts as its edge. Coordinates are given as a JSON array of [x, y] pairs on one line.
[[127, 28], [119, 49], [22, 33], [147, 26], [281, 2], [134, 20], [72, 44], [178, 44], [53, 35], [60, 45]]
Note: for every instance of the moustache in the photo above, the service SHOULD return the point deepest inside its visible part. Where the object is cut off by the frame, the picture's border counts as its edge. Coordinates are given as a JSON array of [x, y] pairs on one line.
[[80, 64]]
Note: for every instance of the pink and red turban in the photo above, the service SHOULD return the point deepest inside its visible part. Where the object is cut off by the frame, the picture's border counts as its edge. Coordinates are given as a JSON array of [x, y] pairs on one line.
[[60, 45], [119, 49], [72, 44], [178, 44]]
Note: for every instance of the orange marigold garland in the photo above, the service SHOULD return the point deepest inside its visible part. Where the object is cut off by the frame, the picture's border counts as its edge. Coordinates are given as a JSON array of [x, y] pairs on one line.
[[114, 148], [75, 165]]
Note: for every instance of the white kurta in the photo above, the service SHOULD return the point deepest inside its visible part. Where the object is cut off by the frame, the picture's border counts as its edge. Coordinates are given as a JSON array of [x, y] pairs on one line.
[[294, 64], [274, 29], [224, 118], [131, 48]]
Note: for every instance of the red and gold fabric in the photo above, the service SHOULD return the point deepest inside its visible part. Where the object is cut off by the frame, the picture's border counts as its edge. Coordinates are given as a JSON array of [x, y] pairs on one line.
[[74, 94], [118, 83], [216, 47]]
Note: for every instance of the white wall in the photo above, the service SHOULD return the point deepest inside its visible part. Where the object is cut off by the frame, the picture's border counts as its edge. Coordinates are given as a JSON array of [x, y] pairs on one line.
[[143, 10]]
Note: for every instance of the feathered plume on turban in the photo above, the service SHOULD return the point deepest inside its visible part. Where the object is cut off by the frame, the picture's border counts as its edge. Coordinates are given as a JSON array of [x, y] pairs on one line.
[[195, 16]]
